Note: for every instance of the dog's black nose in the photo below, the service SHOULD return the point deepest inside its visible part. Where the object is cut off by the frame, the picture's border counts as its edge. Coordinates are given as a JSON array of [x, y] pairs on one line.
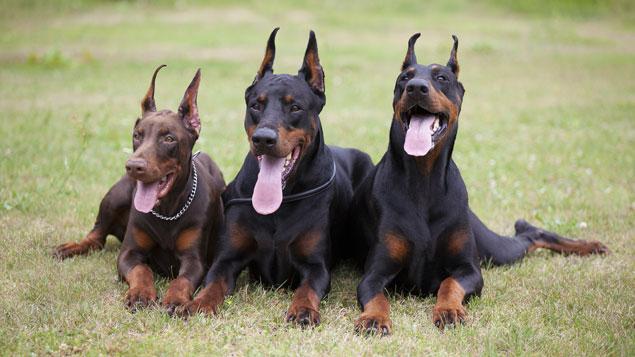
[[136, 166], [264, 138], [418, 87]]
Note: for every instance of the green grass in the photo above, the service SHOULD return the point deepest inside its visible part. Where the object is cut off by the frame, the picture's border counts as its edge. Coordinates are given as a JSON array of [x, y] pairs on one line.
[[547, 133]]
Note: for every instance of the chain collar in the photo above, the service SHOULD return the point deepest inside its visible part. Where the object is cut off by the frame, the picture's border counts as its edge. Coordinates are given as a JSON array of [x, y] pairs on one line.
[[189, 199]]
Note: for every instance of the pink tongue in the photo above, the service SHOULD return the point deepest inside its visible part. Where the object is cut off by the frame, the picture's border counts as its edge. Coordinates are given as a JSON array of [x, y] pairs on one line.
[[419, 135], [146, 196], [267, 195]]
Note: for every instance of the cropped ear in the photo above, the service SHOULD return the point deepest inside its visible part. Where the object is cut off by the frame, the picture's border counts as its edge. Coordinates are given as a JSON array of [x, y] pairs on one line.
[[188, 109], [410, 59], [270, 54], [311, 69], [147, 103], [453, 62]]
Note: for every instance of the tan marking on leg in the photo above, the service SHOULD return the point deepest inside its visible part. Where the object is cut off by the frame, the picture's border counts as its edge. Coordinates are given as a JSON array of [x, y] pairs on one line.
[[397, 246], [179, 292], [142, 239], [577, 247], [141, 289], [240, 238], [306, 244], [187, 239], [208, 300], [94, 240], [449, 307], [304, 307], [456, 242], [375, 317]]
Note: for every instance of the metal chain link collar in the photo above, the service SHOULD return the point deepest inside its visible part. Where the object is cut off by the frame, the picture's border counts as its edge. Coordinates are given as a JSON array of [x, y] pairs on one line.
[[189, 199]]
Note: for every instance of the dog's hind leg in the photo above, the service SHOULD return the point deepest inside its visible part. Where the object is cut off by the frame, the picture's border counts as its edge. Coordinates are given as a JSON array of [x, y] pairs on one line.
[[501, 250], [112, 218]]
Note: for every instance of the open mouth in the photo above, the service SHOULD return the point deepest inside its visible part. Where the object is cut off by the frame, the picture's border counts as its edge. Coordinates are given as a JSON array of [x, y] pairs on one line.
[[148, 194], [423, 130], [272, 178], [289, 165], [165, 185]]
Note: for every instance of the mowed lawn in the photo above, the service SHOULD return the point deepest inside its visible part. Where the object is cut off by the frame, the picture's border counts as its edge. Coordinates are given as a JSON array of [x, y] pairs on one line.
[[547, 132]]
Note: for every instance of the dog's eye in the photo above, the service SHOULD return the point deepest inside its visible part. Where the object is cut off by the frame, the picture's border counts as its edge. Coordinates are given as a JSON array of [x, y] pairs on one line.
[[169, 139], [295, 108], [136, 136], [405, 77], [256, 107], [442, 78]]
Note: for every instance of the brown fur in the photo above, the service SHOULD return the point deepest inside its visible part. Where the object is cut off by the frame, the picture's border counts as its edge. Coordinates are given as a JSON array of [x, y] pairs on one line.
[[456, 241], [398, 247], [179, 292], [305, 245], [305, 306], [187, 239], [288, 140], [142, 239], [208, 300], [376, 310], [240, 238], [94, 240], [579, 247], [141, 282], [449, 307]]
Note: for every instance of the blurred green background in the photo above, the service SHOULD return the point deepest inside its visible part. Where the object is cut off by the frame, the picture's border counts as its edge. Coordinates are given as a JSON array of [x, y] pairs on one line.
[[547, 133]]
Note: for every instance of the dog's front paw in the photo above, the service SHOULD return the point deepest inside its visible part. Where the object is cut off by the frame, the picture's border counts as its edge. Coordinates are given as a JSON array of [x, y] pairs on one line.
[[140, 297], [303, 316], [172, 303], [448, 315], [207, 302], [197, 306], [372, 324], [179, 293]]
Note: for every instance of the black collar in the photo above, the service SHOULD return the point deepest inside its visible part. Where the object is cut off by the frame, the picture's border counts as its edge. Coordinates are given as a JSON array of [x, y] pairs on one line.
[[296, 196]]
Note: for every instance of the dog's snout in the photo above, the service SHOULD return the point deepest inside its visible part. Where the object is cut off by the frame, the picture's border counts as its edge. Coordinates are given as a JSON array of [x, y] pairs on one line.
[[136, 166], [264, 138], [418, 87]]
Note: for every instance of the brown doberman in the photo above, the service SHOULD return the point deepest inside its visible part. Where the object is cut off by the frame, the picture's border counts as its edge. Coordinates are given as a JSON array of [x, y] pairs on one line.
[[167, 210]]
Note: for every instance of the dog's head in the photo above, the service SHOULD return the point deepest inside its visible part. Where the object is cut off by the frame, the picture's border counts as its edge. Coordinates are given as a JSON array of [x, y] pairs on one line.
[[162, 142], [282, 120], [427, 101]]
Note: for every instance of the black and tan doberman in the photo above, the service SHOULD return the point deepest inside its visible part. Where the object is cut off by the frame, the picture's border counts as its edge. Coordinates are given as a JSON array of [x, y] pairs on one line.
[[167, 209], [412, 210], [287, 207]]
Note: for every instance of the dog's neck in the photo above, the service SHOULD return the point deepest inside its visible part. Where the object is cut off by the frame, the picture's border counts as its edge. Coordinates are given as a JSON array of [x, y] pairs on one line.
[[431, 168], [315, 167]]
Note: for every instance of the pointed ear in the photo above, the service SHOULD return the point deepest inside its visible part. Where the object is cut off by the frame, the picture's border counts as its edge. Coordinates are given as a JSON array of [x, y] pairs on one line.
[[410, 59], [311, 68], [188, 109], [270, 54], [453, 62], [147, 103]]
